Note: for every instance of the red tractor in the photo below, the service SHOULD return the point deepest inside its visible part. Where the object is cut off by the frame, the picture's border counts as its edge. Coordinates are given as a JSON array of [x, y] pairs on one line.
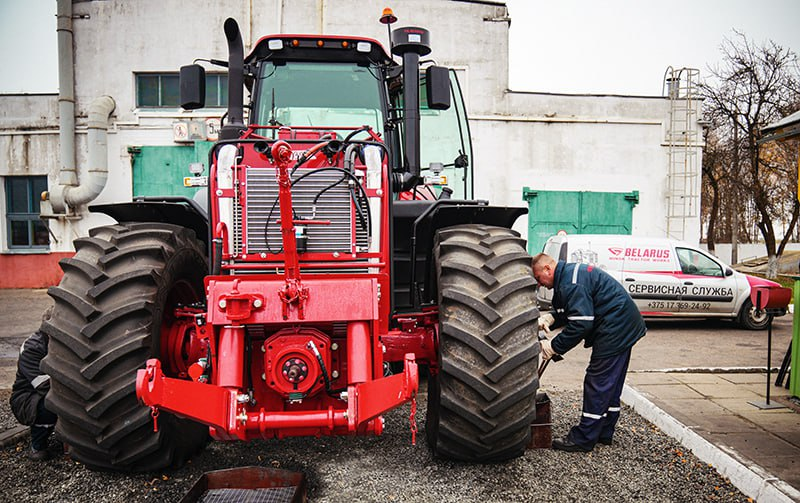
[[325, 259]]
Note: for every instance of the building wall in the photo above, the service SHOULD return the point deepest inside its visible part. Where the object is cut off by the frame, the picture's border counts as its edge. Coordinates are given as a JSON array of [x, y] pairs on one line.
[[543, 141]]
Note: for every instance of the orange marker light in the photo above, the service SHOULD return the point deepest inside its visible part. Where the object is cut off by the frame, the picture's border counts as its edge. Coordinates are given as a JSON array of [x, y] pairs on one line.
[[320, 43], [345, 44], [295, 43], [388, 16]]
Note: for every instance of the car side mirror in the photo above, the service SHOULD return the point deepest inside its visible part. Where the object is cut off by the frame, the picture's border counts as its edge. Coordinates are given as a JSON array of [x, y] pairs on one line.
[[193, 87], [728, 271], [437, 85]]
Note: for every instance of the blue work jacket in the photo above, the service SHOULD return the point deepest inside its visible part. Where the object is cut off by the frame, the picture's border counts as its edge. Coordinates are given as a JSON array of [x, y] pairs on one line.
[[595, 309]]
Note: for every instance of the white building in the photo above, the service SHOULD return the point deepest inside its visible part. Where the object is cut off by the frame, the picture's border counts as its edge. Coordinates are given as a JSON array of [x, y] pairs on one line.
[[644, 150]]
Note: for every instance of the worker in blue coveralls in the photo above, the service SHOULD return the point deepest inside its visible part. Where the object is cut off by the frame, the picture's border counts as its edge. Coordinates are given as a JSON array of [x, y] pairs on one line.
[[597, 310], [28, 392]]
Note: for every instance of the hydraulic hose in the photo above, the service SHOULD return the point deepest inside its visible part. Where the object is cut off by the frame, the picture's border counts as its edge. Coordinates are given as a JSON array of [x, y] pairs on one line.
[[332, 392]]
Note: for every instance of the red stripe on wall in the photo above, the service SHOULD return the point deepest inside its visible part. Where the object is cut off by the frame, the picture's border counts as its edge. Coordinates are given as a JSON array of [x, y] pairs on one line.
[[31, 271]]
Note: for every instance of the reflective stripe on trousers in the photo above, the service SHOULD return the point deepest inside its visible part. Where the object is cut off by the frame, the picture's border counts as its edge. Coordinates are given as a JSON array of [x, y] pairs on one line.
[[602, 387]]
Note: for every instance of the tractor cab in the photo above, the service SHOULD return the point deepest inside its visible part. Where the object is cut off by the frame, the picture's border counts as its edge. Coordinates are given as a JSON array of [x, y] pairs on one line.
[[304, 88]]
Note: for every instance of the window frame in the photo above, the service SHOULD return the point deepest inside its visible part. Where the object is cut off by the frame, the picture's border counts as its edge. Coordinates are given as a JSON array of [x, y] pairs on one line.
[[31, 216], [221, 98], [687, 258]]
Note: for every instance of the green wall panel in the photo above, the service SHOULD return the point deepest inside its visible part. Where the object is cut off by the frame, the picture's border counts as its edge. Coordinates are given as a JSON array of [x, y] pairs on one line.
[[551, 211], [160, 170]]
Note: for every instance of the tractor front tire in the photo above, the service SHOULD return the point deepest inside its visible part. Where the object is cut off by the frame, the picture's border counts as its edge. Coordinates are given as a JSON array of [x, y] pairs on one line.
[[481, 400], [116, 297]]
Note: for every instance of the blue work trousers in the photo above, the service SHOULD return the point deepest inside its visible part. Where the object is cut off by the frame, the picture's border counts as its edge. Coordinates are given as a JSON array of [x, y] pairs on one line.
[[602, 388], [43, 426]]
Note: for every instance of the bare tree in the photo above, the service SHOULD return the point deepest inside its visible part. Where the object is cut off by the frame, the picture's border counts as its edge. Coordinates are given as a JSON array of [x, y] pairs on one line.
[[754, 86], [716, 164]]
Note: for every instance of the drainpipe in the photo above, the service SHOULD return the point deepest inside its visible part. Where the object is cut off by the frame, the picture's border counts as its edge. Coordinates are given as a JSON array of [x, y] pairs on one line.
[[70, 195], [68, 192], [66, 94]]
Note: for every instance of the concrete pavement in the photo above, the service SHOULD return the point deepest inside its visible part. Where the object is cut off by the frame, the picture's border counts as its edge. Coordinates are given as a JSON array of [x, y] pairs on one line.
[[710, 413]]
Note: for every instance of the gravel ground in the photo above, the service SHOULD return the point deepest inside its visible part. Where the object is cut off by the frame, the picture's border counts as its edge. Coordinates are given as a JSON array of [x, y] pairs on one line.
[[642, 465]]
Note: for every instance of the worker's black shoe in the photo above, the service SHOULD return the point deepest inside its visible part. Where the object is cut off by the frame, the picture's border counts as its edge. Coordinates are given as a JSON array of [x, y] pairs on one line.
[[40, 455], [605, 441], [565, 444]]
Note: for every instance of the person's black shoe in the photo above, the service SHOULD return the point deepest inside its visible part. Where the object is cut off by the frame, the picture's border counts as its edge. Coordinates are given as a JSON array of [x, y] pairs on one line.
[[605, 441], [565, 444], [41, 455]]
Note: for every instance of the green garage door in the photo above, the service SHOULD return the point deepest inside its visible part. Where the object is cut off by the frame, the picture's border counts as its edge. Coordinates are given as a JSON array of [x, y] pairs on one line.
[[160, 170], [551, 211]]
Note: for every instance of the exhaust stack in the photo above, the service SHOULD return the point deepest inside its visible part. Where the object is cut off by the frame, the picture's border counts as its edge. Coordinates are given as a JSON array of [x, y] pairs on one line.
[[232, 129], [410, 43]]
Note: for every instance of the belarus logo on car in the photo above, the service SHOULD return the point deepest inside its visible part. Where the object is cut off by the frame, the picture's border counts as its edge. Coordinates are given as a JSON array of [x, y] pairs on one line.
[[617, 253], [639, 254]]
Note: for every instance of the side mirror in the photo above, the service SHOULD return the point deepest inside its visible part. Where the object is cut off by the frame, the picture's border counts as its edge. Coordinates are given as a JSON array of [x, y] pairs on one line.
[[462, 161], [728, 271], [193, 87], [437, 85]]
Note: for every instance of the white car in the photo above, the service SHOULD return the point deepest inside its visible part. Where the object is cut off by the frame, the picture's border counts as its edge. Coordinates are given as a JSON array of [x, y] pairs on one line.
[[669, 278]]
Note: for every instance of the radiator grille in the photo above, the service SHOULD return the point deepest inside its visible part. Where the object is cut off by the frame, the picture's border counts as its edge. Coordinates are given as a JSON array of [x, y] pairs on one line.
[[263, 233]]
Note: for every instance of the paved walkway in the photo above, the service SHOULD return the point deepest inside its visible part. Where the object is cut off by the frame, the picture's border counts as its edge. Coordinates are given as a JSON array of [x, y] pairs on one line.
[[709, 413]]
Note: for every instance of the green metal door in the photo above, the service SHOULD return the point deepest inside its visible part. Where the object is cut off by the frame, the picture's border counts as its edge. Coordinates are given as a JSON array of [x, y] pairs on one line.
[[551, 211], [160, 170]]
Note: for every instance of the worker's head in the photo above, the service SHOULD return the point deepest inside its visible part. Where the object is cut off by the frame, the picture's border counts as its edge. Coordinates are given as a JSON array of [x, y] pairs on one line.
[[544, 269]]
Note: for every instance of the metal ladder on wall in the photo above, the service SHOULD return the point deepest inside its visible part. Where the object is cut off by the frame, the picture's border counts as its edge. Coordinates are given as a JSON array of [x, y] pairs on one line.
[[683, 141]]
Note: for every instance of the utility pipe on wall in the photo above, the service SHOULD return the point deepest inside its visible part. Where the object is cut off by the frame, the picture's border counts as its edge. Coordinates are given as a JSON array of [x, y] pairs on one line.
[[68, 192], [70, 195], [66, 94]]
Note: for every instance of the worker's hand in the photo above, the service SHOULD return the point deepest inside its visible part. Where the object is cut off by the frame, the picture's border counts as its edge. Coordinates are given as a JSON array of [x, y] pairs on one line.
[[545, 320], [547, 349]]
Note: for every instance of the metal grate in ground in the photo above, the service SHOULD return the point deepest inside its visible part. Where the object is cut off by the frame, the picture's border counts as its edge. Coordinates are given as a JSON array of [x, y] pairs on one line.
[[261, 495]]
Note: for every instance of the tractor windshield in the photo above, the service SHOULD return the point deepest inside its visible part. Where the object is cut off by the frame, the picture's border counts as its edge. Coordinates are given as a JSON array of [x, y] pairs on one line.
[[329, 95]]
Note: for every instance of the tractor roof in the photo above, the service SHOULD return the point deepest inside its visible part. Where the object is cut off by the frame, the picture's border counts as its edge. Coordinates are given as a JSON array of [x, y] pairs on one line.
[[327, 48]]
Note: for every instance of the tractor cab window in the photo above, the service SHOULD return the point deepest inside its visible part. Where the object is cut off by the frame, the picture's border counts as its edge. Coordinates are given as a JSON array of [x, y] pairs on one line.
[[444, 142], [444, 137], [328, 95]]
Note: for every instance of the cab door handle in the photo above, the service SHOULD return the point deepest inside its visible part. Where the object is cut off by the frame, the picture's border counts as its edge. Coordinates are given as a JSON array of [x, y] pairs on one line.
[[688, 283], [629, 279]]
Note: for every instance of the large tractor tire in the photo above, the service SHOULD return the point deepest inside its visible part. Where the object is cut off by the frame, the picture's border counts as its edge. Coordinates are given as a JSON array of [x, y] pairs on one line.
[[114, 302], [481, 400]]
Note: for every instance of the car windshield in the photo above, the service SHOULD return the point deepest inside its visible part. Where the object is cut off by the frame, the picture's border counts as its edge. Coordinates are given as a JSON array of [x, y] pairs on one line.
[[329, 95]]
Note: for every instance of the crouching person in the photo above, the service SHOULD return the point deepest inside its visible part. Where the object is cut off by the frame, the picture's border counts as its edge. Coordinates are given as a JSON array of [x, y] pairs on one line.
[[29, 390]]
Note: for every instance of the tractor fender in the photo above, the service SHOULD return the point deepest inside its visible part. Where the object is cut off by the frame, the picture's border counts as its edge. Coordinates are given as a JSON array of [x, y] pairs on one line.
[[169, 210]]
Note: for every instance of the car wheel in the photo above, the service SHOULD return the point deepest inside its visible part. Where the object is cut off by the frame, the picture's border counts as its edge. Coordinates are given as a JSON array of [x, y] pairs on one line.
[[753, 319]]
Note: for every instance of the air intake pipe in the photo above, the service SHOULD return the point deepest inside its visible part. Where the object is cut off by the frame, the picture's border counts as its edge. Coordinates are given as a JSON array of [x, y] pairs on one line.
[[410, 43], [233, 127]]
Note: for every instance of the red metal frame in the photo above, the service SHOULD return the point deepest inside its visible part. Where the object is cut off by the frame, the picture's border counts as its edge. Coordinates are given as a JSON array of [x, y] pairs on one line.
[[259, 342]]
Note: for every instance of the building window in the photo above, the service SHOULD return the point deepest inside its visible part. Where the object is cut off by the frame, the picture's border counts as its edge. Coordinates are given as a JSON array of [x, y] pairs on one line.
[[162, 90], [25, 230]]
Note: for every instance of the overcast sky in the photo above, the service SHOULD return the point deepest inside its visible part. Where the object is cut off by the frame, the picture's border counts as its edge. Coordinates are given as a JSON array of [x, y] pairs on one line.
[[559, 46], [625, 46]]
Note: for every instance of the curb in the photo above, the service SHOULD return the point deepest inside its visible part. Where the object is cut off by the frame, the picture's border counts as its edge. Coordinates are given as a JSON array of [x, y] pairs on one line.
[[706, 370], [13, 435], [748, 477]]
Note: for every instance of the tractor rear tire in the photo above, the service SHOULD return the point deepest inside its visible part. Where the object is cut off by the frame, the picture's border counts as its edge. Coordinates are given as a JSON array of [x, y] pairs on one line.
[[117, 294], [481, 402]]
